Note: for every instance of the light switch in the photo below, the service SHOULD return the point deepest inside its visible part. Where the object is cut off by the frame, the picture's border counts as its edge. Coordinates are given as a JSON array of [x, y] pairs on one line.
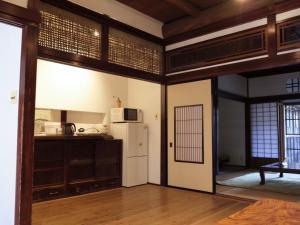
[[156, 116], [13, 97]]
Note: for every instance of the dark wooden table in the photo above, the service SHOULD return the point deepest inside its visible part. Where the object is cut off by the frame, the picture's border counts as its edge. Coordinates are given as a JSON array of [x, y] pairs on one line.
[[290, 167]]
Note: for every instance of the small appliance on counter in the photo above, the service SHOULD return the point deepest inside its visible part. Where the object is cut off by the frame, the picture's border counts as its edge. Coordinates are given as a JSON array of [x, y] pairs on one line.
[[123, 115], [69, 129]]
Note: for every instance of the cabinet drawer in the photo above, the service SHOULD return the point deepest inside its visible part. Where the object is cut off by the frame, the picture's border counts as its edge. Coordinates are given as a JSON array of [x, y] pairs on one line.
[[79, 189], [50, 193]]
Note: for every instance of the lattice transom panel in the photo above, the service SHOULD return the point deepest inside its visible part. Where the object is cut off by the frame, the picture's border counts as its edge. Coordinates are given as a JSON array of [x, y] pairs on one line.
[[133, 52], [189, 134], [67, 32]]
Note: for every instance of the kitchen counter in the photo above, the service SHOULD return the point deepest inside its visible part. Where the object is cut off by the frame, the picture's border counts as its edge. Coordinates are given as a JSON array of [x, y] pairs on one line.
[[69, 137]]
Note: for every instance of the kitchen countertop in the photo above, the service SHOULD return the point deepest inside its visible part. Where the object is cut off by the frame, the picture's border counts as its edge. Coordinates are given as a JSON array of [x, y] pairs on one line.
[[69, 137]]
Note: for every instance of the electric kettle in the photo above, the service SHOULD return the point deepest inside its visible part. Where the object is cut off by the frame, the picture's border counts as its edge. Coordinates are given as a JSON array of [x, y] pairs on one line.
[[69, 129]]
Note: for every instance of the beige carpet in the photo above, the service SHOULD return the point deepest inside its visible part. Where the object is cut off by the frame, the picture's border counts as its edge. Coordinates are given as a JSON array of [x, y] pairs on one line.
[[289, 184]]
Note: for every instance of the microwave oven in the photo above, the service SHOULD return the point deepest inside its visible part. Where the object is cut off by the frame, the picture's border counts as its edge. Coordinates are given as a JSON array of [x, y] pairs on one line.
[[126, 115]]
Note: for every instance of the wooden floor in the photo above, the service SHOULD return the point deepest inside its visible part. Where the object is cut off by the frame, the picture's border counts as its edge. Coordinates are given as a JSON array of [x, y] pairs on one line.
[[143, 205]]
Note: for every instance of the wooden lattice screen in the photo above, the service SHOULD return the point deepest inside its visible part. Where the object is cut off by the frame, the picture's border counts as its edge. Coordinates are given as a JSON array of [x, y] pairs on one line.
[[67, 32], [133, 52], [189, 134]]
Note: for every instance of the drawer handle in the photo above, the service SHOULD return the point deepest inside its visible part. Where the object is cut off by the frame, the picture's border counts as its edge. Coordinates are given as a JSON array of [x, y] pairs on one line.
[[53, 193], [77, 189]]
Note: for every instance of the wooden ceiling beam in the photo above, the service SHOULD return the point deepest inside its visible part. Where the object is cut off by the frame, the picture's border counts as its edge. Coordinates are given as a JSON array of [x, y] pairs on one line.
[[185, 6], [228, 9]]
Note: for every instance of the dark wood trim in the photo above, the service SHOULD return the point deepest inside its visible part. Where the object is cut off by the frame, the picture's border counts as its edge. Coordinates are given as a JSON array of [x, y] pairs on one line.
[[17, 15], [97, 65], [273, 98], [272, 71], [164, 138], [63, 117], [187, 189], [281, 134], [103, 19], [236, 68], [271, 35], [26, 125], [215, 131], [216, 41], [228, 95], [34, 4], [224, 24], [104, 43], [248, 135], [235, 21]]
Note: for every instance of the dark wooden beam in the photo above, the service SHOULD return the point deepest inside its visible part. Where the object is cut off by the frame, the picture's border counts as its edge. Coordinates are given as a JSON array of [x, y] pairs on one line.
[[185, 6], [97, 65], [272, 71], [274, 98], [212, 15], [164, 138], [278, 7], [254, 65], [26, 125], [17, 15], [272, 35], [231, 96]]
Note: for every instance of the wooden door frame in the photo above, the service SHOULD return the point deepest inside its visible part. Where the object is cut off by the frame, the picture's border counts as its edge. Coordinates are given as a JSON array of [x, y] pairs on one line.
[[28, 20]]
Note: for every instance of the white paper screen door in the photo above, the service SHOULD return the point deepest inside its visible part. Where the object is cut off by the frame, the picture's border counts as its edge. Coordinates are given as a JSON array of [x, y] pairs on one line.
[[190, 136]]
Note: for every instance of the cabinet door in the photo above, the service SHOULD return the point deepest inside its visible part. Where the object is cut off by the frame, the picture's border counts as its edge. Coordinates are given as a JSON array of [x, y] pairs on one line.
[[48, 154], [108, 159], [81, 160]]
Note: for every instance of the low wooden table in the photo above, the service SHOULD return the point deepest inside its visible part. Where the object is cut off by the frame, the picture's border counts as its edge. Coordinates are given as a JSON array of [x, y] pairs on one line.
[[266, 212], [290, 167]]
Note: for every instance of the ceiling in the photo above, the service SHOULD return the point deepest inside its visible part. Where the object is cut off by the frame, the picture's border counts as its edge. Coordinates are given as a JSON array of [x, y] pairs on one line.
[[181, 16], [170, 10]]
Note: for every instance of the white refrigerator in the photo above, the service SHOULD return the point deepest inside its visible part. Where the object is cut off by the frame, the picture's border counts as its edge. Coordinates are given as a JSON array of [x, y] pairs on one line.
[[135, 152]]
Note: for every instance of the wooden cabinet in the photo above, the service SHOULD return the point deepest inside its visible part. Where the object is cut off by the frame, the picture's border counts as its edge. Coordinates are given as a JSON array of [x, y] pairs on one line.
[[75, 165]]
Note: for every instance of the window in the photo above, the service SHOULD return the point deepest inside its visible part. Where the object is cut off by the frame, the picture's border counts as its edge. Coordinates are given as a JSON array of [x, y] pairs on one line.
[[189, 134], [264, 130], [293, 85], [292, 132]]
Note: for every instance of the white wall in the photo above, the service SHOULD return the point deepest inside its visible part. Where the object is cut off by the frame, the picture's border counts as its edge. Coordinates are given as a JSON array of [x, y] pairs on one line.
[[10, 57], [22, 3], [123, 13], [232, 131], [66, 87], [147, 96], [270, 85], [234, 84]]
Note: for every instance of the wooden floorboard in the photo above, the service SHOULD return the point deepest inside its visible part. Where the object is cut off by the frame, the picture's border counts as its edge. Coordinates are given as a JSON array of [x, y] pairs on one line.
[[143, 205]]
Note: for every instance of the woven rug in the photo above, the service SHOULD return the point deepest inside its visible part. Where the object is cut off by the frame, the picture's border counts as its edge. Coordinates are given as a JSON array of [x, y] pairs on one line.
[[289, 184], [266, 212]]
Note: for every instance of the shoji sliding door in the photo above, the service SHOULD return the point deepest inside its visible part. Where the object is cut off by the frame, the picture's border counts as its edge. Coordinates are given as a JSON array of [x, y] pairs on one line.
[[10, 59], [190, 136]]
